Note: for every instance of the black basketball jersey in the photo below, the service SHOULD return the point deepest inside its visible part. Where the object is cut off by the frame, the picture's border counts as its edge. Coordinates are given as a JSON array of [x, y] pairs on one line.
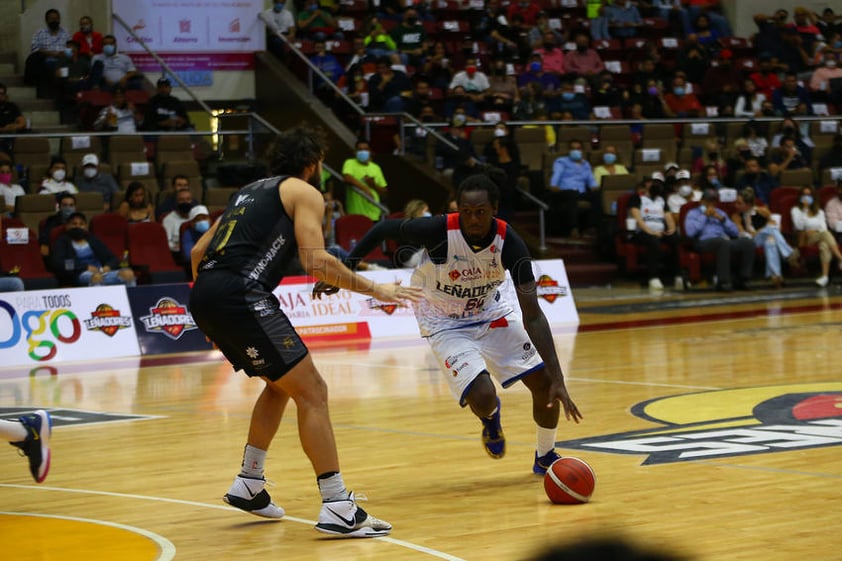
[[255, 238]]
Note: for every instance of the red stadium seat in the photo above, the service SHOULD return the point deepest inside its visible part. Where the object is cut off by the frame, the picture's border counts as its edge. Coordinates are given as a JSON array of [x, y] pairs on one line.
[[150, 254], [112, 229], [27, 257]]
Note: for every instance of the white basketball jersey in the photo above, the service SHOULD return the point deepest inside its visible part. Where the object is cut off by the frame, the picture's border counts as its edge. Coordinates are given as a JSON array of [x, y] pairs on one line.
[[463, 290]]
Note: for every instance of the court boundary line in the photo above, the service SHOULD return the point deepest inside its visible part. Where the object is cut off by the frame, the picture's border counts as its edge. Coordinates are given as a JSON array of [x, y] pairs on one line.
[[389, 539]]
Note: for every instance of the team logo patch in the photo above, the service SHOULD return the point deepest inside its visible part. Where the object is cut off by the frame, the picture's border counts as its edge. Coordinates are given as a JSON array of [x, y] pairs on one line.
[[454, 274], [107, 320], [728, 423], [548, 288], [169, 317]]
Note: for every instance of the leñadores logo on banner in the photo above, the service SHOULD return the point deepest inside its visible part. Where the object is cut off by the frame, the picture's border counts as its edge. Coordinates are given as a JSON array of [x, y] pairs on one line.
[[168, 317], [107, 320], [548, 288]]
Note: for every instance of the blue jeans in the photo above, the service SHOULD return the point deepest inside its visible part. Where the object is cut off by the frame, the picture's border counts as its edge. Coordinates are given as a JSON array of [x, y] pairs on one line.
[[774, 247], [109, 278], [11, 284]]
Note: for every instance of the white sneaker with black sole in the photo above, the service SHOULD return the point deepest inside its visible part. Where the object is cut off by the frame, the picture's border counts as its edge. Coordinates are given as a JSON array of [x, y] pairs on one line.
[[347, 519], [248, 494]]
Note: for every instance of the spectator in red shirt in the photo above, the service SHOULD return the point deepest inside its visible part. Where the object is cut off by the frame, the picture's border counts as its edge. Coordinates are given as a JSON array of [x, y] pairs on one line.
[[90, 41], [551, 55], [766, 79], [584, 61], [681, 102], [526, 8]]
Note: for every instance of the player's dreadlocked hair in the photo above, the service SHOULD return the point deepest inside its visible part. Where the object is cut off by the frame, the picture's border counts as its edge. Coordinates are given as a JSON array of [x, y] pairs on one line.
[[295, 149], [485, 178]]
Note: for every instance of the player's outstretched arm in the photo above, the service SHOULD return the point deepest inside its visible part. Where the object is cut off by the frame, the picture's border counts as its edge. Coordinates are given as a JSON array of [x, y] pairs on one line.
[[306, 207], [538, 329]]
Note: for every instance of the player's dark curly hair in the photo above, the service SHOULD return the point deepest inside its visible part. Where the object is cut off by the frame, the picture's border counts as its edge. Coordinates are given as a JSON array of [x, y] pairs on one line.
[[295, 149], [485, 178]]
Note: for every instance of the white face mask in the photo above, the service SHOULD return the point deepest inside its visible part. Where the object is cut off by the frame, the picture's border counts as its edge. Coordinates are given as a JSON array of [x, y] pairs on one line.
[[499, 132], [59, 175], [685, 190], [90, 173]]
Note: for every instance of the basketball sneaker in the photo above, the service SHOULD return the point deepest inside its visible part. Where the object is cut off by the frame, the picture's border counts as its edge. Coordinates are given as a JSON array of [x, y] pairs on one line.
[[347, 519], [248, 494], [543, 463], [492, 435], [36, 445]]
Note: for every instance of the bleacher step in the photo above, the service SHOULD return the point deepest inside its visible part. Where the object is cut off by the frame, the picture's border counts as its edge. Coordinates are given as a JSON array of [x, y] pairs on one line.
[[10, 79], [7, 68], [41, 119], [20, 93]]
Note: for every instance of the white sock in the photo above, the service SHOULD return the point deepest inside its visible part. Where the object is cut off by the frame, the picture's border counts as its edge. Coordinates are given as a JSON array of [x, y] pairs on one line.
[[332, 488], [253, 459], [546, 440], [13, 431]]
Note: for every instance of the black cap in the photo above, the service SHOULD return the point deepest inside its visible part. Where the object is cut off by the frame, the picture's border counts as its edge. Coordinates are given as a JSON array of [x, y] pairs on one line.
[[164, 82]]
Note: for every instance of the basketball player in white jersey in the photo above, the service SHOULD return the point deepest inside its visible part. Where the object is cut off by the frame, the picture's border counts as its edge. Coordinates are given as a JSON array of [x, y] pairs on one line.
[[31, 433], [470, 327]]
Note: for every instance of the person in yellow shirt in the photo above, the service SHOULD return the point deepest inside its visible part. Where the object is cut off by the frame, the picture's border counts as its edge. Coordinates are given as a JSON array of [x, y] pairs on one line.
[[361, 172]]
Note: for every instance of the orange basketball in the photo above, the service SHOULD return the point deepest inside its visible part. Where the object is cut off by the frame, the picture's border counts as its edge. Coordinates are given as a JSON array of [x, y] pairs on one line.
[[569, 481]]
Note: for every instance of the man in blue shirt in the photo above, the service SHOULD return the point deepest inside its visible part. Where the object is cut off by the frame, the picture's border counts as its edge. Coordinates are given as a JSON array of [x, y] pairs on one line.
[[713, 232], [572, 180]]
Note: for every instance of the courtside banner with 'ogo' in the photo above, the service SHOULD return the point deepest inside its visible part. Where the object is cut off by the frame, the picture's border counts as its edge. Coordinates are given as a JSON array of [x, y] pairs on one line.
[[43, 326], [347, 316]]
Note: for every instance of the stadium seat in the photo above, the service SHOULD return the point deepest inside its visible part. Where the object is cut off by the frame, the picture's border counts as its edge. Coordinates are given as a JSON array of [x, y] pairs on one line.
[[150, 256], [353, 227], [112, 229], [28, 258]]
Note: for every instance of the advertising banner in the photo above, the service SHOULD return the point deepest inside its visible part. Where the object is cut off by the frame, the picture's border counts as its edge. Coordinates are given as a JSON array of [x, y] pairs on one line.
[[45, 326], [348, 316], [163, 321], [191, 35]]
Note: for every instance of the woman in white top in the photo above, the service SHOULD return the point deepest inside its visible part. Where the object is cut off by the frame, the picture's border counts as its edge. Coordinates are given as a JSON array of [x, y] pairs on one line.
[[750, 102], [809, 222]]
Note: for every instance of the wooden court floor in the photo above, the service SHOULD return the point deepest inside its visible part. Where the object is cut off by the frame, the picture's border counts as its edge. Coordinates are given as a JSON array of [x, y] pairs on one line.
[[713, 423]]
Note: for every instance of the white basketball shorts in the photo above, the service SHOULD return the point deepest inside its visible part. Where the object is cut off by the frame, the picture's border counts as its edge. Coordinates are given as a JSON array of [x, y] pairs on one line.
[[501, 347]]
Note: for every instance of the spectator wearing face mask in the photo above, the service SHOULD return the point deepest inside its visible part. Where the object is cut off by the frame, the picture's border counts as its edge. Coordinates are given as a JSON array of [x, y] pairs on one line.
[[80, 258], [472, 80], [317, 23], [681, 102], [55, 182], [199, 219], [654, 228], [46, 50], [113, 69], [712, 156], [682, 194], [282, 21], [610, 164], [367, 176], [172, 222], [820, 80], [584, 61], [760, 181], [66, 205], [90, 179], [572, 180], [89, 41], [810, 225], [543, 87]]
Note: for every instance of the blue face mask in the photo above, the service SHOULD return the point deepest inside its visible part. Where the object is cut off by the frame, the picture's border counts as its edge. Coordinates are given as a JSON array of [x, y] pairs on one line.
[[363, 155], [837, 44], [459, 119], [314, 7], [278, 7], [678, 91], [715, 182], [575, 155], [535, 66], [109, 50], [609, 158], [568, 96], [68, 53], [202, 226], [807, 199]]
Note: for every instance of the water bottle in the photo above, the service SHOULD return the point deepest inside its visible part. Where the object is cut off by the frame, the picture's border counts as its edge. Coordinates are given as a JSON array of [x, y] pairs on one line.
[[352, 244], [124, 262]]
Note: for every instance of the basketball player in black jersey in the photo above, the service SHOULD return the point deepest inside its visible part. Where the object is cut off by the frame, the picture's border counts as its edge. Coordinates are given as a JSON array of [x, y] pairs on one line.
[[468, 323], [236, 265]]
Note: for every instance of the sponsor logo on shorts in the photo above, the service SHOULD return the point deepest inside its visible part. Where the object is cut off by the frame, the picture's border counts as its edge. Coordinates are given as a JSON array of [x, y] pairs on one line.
[[107, 320], [528, 351], [169, 317], [747, 421]]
